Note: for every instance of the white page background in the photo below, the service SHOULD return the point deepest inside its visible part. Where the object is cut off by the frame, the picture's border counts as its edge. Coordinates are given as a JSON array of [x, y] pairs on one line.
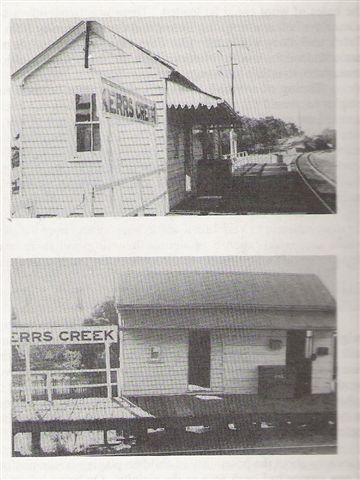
[[330, 235]]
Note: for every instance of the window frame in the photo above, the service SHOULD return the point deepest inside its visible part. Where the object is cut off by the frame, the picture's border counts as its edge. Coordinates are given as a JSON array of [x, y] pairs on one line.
[[87, 155], [157, 359]]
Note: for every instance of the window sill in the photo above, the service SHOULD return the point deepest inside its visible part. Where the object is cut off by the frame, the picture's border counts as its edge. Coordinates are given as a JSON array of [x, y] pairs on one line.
[[158, 362], [84, 159]]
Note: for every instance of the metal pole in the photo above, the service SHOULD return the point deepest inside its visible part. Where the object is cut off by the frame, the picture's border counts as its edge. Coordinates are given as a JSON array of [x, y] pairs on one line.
[[232, 75], [49, 386], [121, 354], [108, 371], [28, 396], [232, 149]]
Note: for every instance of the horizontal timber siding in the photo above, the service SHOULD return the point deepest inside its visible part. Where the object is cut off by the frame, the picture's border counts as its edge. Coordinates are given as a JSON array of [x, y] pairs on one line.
[[176, 163], [146, 377], [54, 177], [244, 351]]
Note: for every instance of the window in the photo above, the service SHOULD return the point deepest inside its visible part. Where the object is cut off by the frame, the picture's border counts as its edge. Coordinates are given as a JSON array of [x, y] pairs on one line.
[[87, 123], [155, 353]]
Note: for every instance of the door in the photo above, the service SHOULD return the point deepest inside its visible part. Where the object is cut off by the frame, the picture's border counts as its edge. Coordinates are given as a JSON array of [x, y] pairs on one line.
[[296, 358], [199, 358]]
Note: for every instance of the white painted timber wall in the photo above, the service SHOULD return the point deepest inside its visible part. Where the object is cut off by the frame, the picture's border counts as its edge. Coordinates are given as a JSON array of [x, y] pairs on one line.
[[176, 163], [243, 351], [235, 357], [52, 174], [139, 152], [323, 366], [168, 375]]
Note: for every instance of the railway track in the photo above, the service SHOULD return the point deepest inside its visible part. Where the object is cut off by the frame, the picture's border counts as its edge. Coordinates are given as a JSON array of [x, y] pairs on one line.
[[329, 448], [317, 182]]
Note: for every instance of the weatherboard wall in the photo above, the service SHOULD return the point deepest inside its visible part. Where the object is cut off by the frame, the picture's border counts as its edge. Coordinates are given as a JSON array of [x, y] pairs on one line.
[[54, 176], [243, 352], [236, 353], [176, 162], [168, 374]]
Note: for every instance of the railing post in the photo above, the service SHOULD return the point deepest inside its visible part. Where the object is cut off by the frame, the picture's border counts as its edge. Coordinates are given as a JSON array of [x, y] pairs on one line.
[[118, 381], [28, 396], [89, 203], [108, 370], [163, 177], [139, 198], [49, 386]]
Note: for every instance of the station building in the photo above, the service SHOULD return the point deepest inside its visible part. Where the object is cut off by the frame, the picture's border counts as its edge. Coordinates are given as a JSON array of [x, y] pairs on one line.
[[190, 348], [187, 332], [108, 128], [227, 333]]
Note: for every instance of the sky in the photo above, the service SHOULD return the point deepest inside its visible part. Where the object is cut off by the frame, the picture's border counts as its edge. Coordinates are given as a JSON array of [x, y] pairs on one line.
[[64, 291], [286, 69]]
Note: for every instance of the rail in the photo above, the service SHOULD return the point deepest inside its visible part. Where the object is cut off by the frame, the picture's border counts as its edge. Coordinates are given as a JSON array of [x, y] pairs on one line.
[[329, 208], [89, 196], [49, 384]]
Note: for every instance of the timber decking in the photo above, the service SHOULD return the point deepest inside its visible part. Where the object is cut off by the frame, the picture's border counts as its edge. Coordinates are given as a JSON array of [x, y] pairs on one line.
[[155, 411], [227, 405], [77, 409]]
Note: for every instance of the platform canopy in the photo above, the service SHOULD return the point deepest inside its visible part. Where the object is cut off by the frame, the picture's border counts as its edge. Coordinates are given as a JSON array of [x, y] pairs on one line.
[[196, 106]]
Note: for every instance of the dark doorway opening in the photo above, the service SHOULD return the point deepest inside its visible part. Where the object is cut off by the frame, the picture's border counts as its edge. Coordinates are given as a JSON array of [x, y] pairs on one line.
[[296, 358], [199, 358]]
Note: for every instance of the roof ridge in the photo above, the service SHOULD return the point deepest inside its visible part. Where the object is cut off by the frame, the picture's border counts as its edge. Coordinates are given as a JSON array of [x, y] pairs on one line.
[[225, 272], [175, 75], [153, 55], [58, 40]]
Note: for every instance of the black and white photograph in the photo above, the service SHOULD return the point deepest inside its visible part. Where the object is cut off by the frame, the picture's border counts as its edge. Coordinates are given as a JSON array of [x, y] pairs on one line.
[[174, 356], [218, 339], [175, 115]]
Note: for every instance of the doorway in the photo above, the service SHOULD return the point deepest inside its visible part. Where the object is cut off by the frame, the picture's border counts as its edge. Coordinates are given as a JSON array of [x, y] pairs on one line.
[[296, 358], [199, 359]]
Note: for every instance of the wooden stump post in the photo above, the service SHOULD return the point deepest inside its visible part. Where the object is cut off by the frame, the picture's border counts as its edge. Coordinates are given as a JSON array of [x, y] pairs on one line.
[[36, 443]]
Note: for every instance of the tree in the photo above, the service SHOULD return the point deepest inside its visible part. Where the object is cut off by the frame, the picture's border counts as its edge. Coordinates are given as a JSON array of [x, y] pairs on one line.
[[104, 313], [260, 134], [55, 357]]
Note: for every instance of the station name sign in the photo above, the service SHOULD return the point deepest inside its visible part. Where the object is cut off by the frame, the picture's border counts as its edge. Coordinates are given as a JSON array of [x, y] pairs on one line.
[[121, 102], [64, 335]]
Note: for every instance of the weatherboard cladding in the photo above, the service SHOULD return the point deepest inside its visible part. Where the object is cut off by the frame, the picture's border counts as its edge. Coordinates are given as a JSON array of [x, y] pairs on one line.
[[176, 162], [52, 176], [48, 134], [235, 357]]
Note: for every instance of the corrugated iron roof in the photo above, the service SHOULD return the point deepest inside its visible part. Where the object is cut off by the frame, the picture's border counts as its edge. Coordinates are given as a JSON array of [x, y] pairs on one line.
[[189, 289]]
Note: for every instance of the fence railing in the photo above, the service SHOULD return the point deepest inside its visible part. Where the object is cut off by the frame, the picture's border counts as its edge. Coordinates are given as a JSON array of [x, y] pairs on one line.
[[50, 382], [242, 158], [89, 196]]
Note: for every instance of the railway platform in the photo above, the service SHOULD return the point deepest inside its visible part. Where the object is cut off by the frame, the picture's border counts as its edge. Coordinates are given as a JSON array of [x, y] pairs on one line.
[[135, 415]]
